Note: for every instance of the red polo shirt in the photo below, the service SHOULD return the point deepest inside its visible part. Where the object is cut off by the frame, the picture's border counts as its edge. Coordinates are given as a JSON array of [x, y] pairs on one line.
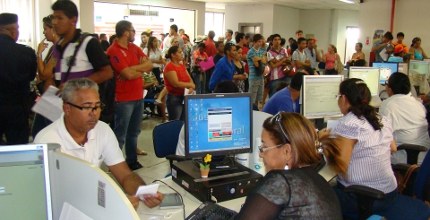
[[182, 74], [210, 47], [121, 58]]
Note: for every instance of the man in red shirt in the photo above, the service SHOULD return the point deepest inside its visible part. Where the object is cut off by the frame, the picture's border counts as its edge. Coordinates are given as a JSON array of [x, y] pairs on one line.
[[210, 44], [129, 63]]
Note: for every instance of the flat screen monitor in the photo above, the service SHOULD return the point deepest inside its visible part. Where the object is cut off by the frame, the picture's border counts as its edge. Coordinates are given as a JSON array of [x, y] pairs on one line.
[[419, 67], [218, 124], [319, 96], [370, 75], [403, 68], [386, 69], [25, 182]]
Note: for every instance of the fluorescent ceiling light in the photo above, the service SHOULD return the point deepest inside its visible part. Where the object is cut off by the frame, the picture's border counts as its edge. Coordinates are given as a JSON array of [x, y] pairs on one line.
[[347, 1]]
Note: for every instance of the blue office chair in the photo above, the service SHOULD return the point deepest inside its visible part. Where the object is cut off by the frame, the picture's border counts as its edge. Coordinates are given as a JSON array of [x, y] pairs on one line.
[[165, 138], [422, 181]]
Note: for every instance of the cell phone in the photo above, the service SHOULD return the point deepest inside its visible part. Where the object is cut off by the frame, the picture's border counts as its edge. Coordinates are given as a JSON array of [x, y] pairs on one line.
[[171, 201]]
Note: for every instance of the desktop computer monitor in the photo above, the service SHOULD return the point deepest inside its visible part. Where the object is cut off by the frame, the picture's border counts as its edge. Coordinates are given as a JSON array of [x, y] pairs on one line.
[[319, 96], [419, 67], [403, 68], [386, 69], [370, 75], [25, 182], [218, 124]]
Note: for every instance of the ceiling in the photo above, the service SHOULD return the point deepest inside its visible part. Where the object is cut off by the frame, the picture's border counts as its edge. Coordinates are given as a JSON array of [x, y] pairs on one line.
[[300, 4]]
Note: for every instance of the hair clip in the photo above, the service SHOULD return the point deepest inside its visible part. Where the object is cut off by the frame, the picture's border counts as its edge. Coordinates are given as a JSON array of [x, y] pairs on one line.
[[319, 147], [360, 82]]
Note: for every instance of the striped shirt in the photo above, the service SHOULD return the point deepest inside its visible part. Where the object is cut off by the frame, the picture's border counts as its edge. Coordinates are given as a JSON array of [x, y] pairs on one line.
[[370, 163]]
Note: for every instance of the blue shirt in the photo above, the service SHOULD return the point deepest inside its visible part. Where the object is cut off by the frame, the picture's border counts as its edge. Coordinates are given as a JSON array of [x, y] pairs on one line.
[[224, 70], [281, 101], [249, 58]]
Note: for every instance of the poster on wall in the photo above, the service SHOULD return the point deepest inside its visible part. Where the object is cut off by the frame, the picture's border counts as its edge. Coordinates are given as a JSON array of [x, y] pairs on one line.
[[377, 36]]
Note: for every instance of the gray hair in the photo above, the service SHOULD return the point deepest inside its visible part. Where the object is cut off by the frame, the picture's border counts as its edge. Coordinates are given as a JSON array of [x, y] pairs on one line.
[[72, 86]]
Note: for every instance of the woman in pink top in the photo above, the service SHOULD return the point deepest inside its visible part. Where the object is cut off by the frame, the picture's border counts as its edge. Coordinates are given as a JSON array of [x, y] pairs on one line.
[[330, 60]]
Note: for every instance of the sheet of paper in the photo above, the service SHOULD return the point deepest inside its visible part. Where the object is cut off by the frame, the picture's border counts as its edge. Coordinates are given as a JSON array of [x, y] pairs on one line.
[[384, 54], [147, 190], [69, 212], [49, 105]]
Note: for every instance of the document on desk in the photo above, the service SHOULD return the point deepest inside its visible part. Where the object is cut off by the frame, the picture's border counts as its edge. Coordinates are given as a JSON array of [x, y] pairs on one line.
[[144, 190], [69, 212], [50, 105]]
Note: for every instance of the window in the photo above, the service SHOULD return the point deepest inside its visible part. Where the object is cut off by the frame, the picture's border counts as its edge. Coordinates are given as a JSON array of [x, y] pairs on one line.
[[25, 11], [214, 21]]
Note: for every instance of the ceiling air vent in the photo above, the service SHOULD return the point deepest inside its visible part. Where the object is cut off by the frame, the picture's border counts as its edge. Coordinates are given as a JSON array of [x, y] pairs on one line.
[[143, 12]]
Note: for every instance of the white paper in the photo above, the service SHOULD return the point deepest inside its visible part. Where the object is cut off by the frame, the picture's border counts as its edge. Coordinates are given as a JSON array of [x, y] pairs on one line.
[[384, 54], [332, 123], [147, 190], [187, 92], [69, 212], [50, 105]]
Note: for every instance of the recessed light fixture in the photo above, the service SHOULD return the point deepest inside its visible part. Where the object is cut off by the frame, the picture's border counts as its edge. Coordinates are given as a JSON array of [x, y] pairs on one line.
[[347, 1]]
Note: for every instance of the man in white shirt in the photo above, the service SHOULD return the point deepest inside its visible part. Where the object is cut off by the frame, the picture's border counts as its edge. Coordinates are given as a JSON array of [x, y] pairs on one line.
[[407, 115], [299, 56], [81, 134]]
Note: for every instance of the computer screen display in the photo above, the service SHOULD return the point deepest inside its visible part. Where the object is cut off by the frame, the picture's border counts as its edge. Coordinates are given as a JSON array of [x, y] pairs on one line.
[[24, 182], [419, 67], [403, 68], [319, 96], [218, 124], [386, 69], [370, 75]]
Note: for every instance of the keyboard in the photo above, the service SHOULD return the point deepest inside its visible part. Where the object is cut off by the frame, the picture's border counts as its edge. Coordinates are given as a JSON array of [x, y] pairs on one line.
[[211, 211]]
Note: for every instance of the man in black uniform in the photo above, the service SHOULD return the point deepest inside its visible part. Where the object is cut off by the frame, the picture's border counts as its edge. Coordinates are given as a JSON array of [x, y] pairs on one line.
[[17, 68]]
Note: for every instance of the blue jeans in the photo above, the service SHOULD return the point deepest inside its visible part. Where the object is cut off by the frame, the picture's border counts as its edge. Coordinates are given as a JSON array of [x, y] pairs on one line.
[[199, 80], [393, 206], [175, 107], [128, 116]]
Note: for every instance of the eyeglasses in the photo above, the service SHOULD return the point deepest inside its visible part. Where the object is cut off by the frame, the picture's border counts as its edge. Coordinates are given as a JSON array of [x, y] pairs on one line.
[[88, 108], [263, 148], [278, 121]]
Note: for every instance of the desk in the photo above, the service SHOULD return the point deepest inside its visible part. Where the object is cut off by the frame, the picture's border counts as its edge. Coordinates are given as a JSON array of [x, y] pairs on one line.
[[191, 203]]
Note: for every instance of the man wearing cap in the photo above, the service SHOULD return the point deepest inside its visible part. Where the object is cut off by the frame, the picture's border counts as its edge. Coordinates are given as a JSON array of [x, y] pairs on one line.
[[17, 68], [90, 60]]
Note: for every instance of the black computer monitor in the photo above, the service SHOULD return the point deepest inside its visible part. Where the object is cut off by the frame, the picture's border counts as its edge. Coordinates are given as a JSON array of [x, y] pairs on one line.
[[386, 69], [218, 124]]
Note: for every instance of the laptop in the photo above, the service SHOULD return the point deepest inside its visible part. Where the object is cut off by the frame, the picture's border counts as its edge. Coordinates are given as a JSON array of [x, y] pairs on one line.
[[25, 191]]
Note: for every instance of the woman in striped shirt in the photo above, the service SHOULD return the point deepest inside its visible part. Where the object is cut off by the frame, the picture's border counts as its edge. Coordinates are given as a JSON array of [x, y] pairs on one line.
[[367, 142]]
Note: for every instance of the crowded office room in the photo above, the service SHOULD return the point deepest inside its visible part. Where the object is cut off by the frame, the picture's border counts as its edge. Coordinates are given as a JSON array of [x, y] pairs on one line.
[[214, 109]]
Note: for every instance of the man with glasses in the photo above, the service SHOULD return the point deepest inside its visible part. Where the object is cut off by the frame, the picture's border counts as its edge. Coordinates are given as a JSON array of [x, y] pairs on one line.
[[129, 63], [17, 69], [82, 135], [77, 54]]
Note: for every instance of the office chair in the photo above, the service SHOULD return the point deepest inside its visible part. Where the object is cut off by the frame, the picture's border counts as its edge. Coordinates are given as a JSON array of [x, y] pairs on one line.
[[165, 138], [422, 181]]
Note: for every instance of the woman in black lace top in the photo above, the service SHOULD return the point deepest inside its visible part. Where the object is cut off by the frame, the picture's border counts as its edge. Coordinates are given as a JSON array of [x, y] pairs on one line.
[[292, 188]]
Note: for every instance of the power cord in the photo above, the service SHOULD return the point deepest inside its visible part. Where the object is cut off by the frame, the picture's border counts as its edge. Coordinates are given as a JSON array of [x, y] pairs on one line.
[[180, 196]]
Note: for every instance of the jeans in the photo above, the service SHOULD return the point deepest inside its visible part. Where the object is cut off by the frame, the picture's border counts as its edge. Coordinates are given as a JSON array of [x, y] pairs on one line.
[[393, 206], [128, 116], [256, 87], [274, 84], [175, 107], [199, 80]]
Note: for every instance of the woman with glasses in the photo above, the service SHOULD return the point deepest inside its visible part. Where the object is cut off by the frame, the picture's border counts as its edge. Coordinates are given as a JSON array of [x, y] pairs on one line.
[[292, 188], [366, 139]]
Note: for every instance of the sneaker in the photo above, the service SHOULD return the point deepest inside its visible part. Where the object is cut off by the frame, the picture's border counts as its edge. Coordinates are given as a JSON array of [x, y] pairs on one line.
[[158, 102], [141, 152], [135, 166]]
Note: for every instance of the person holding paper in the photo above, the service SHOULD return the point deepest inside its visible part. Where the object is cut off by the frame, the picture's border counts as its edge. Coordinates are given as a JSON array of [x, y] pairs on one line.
[[82, 135], [198, 74], [384, 48], [176, 80]]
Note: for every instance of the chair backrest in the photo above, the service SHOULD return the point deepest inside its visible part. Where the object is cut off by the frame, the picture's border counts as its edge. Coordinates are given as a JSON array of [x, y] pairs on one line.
[[165, 138]]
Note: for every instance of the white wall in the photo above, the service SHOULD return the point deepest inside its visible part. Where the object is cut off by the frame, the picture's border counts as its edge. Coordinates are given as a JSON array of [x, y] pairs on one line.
[[318, 23], [285, 21], [344, 19], [251, 13]]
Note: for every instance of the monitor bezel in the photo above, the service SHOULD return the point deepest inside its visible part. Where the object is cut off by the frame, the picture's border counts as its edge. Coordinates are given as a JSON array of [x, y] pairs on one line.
[[418, 61], [221, 152], [379, 76], [303, 96]]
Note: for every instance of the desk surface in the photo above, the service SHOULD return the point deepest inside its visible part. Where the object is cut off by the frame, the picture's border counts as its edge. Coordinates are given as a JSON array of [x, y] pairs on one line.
[[191, 203]]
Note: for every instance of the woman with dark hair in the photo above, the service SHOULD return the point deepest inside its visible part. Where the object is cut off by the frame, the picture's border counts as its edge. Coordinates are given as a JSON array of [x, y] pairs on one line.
[[292, 188], [176, 79], [45, 70], [416, 51], [239, 69], [154, 53], [367, 142]]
